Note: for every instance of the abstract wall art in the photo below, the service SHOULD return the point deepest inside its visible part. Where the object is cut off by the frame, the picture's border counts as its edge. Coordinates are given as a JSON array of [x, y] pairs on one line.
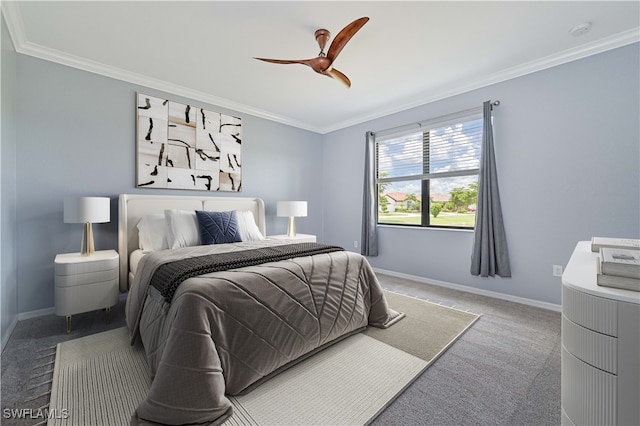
[[182, 146]]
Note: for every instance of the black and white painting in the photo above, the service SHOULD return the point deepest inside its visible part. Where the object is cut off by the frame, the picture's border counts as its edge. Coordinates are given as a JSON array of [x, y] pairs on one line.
[[182, 146]]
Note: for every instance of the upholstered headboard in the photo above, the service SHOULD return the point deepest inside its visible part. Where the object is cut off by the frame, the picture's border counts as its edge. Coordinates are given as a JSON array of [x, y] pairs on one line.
[[132, 207]]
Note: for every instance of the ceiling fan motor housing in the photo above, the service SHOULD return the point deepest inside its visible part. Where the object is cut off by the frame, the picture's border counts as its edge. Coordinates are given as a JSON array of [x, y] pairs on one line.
[[322, 37]]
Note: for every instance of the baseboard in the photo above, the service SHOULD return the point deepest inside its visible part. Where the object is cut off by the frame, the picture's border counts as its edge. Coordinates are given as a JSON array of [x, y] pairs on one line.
[[474, 290], [122, 297], [9, 332], [34, 314]]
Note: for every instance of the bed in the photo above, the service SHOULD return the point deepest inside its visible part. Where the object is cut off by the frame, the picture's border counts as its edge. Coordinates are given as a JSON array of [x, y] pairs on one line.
[[220, 319]]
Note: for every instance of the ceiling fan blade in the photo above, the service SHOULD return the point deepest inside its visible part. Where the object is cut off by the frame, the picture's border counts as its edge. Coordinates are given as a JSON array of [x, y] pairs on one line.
[[286, 61], [334, 73], [319, 64], [344, 36]]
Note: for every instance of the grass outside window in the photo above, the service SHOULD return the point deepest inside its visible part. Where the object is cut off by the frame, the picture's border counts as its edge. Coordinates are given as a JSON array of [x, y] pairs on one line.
[[443, 219]]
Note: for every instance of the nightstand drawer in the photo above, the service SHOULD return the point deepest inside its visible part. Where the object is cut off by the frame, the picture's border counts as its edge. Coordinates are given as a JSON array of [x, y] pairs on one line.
[[299, 238], [88, 278], [73, 263], [85, 298]]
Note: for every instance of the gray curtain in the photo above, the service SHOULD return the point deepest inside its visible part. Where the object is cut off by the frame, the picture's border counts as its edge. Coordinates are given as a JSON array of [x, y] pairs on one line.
[[369, 240], [490, 255]]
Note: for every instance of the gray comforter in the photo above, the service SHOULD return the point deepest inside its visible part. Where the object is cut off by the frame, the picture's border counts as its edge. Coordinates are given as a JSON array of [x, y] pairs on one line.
[[226, 332]]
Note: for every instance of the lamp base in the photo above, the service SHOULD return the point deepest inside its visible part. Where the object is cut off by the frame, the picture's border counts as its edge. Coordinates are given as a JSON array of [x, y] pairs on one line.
[[87, 248], [291, 228]]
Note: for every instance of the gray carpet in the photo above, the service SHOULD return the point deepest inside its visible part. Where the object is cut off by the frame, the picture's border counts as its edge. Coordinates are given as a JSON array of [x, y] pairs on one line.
[[505, 370]]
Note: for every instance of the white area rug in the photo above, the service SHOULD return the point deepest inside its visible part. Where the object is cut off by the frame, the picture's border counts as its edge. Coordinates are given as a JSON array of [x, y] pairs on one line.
[[101, 379], [98, 380], [347, 384]]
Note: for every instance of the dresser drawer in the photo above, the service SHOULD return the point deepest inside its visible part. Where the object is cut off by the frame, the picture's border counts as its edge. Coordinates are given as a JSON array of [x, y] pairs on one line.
[[596, 349], [589, 395], [564, 419], [592, 312]]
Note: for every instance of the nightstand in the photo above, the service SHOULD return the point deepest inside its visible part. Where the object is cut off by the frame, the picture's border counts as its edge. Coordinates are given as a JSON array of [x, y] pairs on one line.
[[299, 238], [86, 283]]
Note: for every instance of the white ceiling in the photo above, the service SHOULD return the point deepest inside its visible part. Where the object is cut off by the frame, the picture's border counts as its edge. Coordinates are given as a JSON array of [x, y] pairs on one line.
[[408, 54]]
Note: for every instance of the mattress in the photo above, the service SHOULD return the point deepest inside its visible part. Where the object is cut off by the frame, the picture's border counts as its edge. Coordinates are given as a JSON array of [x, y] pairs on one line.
[[134, 259]]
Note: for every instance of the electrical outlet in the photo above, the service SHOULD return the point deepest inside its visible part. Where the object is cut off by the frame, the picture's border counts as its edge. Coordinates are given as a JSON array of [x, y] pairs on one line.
[[355, 243], [557, 270]]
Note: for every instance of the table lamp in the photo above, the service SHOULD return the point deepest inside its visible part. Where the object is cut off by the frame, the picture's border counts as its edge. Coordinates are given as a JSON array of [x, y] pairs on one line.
[[87, 210], [292, 209]]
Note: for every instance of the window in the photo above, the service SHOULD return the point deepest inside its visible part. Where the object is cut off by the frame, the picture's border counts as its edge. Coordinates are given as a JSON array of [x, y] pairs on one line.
[[429, 177]]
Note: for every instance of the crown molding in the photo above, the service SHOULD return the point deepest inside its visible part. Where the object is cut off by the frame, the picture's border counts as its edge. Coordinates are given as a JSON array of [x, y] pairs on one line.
[[84, 64], [13, 19], [612, 42]]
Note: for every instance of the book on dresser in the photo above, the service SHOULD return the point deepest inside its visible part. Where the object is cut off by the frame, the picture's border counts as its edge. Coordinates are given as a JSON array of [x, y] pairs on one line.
[[620, 262], [619, 268], [624, 243]]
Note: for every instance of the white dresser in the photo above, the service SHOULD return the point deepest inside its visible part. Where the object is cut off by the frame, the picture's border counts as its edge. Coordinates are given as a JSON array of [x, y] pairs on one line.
[[600, 347], [86, 283]]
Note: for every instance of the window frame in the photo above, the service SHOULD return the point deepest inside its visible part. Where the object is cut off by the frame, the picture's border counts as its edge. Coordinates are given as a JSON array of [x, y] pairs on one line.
[[426, 177]]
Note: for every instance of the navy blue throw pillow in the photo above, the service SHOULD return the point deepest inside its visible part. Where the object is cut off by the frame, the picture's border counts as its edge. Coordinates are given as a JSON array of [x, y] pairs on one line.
[[218, 227]]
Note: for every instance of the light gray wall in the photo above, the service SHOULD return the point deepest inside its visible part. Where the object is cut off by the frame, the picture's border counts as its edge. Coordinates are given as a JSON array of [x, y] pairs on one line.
[[76, 133], [568, 157], [8, 283], [565, 140]]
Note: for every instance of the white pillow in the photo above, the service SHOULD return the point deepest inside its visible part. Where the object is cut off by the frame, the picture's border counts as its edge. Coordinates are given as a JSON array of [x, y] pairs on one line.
[[152, 234], [249, 231], [182, 228]]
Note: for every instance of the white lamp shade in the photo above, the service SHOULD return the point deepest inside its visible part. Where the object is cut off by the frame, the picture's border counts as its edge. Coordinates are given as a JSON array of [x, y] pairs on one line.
[[292, 208], [87, 209]]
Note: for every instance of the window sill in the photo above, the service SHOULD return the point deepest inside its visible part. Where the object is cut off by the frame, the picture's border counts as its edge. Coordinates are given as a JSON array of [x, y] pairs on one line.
[[423, 228]]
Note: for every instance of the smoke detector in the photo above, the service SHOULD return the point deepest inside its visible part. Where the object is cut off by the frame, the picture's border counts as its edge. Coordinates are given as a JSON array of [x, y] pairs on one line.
[[580, 29]]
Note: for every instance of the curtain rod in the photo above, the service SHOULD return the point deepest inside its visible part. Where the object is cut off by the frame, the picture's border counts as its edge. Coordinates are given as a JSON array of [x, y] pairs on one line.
[[419, 124]]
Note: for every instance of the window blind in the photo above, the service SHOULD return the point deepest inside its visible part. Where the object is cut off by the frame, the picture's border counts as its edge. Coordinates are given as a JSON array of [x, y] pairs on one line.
[[446, 148]]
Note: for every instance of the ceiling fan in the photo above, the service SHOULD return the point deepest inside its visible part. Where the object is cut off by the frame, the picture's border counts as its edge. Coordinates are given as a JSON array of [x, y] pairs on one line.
[[323, 63]]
